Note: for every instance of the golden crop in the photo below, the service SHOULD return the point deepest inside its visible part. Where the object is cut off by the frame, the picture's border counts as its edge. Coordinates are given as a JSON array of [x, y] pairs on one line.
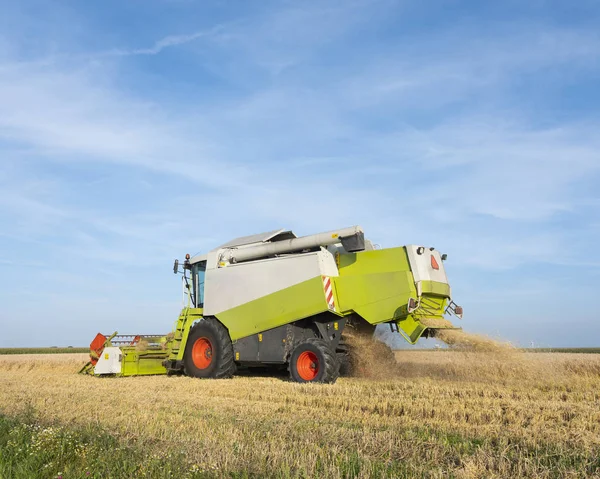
[[435, 414]]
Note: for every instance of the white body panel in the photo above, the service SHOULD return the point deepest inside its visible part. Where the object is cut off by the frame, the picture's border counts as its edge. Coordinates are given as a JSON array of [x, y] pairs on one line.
[[109, 362], [237, 284], [327, 264], [421, 266]]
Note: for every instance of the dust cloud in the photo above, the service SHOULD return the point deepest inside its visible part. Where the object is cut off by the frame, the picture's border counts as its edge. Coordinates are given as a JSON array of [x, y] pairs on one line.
[[459, 339], [370, 358]]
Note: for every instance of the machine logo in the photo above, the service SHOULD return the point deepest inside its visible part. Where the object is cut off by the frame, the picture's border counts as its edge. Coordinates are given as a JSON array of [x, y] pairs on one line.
[[328, 288]]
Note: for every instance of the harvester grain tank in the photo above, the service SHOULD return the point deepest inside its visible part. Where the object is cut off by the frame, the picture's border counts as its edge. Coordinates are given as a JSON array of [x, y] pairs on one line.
[[278, 299]]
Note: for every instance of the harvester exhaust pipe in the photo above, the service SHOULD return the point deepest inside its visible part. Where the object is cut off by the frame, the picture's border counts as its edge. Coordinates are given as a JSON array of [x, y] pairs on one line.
[[352, 239]]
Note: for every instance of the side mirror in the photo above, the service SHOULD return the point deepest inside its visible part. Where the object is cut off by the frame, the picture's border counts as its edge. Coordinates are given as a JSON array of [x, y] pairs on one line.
[[176, 266]]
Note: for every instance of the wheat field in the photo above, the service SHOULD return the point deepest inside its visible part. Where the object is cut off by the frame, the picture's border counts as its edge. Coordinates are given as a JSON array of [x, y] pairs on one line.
[[433, 414]]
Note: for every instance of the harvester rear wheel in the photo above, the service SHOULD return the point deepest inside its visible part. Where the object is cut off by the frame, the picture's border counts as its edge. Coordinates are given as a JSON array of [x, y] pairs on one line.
[[346, 357], [208, 351], [313, 361]]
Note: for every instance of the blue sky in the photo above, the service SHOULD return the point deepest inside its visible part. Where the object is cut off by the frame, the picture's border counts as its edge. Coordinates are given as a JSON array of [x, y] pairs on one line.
[[134, 132]]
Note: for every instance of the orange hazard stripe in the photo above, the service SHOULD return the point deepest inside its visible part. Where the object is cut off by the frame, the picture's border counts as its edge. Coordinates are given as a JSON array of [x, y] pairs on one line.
[[327, 286]]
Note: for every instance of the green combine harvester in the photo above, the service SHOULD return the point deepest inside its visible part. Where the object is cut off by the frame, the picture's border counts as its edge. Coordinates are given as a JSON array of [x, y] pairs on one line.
[[276, 299]]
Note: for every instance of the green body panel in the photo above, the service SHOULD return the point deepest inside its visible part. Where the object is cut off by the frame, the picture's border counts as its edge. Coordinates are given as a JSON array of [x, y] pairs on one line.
[[410, 328], [377, 286], [285, 306], [376, 297], [139, 363], [432, 305], [435, 288], [375, 261]]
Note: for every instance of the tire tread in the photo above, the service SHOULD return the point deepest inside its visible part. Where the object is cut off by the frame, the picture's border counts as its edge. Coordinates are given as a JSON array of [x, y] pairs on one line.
[[226, 365], [332, 364]]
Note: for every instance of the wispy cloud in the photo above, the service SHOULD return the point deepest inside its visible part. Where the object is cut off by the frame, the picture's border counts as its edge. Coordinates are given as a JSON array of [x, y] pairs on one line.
[[168, 42]]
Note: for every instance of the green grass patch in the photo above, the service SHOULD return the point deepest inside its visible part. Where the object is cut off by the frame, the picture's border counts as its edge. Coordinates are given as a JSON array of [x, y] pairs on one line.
[[29, 449], [43, 350], [32, 450]]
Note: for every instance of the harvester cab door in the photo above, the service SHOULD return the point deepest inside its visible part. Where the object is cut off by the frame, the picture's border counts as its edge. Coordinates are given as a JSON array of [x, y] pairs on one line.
[[198, 278]]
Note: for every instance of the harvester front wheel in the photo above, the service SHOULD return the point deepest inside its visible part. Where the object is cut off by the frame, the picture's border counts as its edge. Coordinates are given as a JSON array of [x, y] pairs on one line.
[[313, 361], [208, 351]]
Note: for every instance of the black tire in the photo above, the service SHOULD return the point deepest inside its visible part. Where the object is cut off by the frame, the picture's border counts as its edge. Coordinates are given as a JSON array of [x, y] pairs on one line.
[[208, 351], [345, 357], [325, 367]]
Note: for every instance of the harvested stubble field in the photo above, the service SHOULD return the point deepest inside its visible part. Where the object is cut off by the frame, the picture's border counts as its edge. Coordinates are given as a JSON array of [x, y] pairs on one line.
[[436, 414]]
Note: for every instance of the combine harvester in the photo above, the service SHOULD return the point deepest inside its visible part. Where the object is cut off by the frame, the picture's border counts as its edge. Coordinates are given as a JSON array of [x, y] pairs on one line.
[[276, 299]]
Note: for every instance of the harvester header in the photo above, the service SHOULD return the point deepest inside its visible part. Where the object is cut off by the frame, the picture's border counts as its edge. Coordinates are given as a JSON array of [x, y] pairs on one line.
[[275, 299]]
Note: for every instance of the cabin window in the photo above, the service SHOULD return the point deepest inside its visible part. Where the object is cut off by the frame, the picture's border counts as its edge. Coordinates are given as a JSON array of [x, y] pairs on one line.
[[199, 275]]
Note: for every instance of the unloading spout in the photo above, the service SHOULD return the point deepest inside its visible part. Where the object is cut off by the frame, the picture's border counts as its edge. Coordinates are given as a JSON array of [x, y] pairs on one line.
[[352, 239]]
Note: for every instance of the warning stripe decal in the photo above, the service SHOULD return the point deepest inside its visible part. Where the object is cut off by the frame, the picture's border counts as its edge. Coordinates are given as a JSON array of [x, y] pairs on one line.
[[328, 288]]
